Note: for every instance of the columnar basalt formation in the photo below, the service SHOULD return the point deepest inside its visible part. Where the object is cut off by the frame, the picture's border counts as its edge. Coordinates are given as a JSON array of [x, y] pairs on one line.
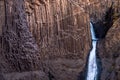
[[19, 52], [61, 30], [50, 39]]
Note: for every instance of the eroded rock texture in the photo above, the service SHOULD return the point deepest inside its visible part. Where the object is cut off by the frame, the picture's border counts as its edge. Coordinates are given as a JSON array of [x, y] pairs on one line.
[[50, 39], [108, 48], [109, 51], [61, 30], [19, 51]]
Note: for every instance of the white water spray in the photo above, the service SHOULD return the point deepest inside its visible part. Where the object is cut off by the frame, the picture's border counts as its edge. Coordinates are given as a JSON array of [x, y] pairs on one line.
[[92, 64]]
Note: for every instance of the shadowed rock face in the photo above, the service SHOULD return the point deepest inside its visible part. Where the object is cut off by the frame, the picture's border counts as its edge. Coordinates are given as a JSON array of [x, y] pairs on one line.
[[109, 52], [18, 49], [60, 41], [101, 27], [108, 47]]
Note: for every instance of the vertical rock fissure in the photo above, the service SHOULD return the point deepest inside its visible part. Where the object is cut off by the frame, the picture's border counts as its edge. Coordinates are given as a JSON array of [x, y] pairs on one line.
[[92, 63]]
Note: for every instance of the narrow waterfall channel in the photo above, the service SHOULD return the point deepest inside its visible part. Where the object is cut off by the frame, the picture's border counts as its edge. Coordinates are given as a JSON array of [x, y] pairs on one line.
[[92, 63]]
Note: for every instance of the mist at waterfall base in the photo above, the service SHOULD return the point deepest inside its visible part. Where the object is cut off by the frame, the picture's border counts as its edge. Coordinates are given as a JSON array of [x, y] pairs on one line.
[[92, 69]]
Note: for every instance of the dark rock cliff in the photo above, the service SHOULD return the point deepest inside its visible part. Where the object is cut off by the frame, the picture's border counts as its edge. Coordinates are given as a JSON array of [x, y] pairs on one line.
[[50, 39]]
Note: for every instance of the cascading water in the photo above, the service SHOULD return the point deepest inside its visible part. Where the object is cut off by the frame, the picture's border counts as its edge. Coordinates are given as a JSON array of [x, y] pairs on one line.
[[92, 64]]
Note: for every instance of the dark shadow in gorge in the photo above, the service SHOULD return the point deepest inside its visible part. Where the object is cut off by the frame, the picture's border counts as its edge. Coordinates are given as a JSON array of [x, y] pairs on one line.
[[83, 74], [101, 28], [99, 65]]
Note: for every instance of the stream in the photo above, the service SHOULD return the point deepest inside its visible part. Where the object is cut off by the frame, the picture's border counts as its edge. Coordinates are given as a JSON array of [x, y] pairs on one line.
[[92, 63]]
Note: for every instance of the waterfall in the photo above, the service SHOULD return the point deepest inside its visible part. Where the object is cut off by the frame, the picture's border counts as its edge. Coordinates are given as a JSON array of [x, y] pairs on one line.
[[92, 64]]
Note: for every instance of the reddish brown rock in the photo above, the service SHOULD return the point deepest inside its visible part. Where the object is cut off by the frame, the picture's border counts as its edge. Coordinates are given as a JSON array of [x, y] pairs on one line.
[[61, 30], [60, 41], [18, 50], [108, 50]]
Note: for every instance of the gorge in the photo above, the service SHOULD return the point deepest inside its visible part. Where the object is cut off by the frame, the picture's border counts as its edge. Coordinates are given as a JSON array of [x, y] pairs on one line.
[[51, 39]]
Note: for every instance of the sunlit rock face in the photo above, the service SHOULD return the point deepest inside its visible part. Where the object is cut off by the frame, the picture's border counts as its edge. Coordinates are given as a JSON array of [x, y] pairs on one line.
[[58, 46], [61, 30], [62, 38]]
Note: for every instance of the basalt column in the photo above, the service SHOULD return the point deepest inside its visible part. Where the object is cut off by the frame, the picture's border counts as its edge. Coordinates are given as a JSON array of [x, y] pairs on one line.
[[59, 42], [61, 30], [19, 54]]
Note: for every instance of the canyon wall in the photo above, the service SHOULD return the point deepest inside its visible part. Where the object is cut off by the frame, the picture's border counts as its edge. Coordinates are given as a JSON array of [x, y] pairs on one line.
[[50, 39], [61, 30], [108, 49], [109, 52], [58, 46]]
